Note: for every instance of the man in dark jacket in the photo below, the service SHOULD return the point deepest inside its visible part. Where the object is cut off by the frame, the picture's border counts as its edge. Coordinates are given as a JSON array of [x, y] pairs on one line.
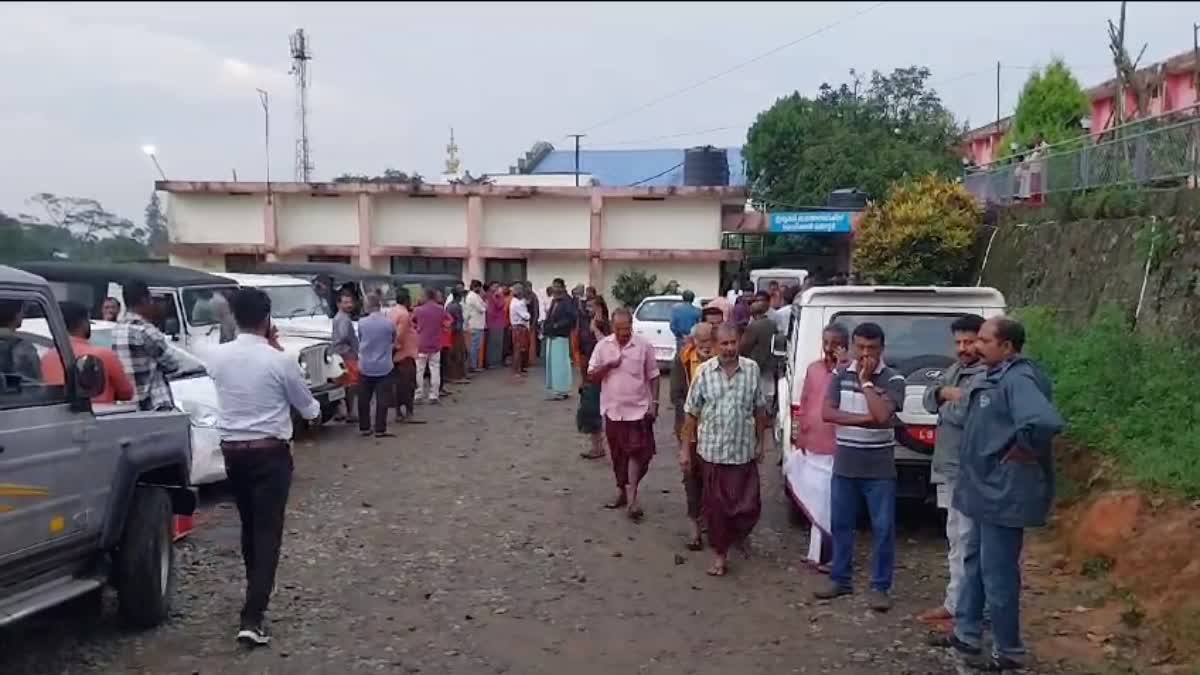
[[1005, 484]]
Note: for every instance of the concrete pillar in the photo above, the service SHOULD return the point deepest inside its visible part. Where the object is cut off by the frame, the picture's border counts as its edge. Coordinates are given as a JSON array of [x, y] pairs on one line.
[[596, 242], [364, 230], [474, 238], [270, 230]]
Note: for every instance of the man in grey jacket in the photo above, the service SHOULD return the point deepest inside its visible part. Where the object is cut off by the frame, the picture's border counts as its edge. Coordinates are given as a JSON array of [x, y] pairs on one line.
[[948, 399], [1005, 484]]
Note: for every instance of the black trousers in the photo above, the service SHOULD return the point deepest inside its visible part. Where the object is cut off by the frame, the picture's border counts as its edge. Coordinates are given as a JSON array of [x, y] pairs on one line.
[[406, 384], [260, 479], [374, 387]]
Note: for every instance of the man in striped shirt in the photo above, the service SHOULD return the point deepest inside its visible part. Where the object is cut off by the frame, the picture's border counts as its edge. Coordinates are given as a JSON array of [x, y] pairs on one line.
[[862, 401]]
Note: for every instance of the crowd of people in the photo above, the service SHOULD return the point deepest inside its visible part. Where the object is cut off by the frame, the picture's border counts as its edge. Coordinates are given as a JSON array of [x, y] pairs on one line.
[[992, 464]]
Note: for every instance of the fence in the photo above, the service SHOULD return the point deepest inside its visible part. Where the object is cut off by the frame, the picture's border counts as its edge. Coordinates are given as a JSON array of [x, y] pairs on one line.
[[1160, 151]]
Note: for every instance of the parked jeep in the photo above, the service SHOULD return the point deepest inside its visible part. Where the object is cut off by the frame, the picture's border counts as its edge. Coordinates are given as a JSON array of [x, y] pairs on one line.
[[87, 492]]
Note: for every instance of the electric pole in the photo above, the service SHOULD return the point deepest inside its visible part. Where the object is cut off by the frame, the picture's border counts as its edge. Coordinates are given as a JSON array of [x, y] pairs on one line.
[[576, 137], [265, 99]]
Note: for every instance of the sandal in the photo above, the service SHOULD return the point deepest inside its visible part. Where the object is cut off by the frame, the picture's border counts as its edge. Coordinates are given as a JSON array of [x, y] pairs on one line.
[[695, 544], [592, 455], [717, 570], [616, 503], [636, 514]]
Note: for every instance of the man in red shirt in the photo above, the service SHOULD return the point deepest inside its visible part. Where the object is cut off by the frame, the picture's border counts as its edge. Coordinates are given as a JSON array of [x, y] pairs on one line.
[[428, 319], [117, 385]]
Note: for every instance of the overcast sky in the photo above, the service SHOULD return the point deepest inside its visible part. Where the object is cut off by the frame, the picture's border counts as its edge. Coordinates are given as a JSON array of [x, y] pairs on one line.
[[83, 87]]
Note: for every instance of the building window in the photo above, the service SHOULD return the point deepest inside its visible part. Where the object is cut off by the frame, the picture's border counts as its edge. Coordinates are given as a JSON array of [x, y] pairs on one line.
[[424, 265], [344, 259], [241, 262], [504, 270]]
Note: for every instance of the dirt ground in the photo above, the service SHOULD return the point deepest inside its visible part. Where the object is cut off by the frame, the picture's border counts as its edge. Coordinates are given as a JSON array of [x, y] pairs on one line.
[[475, 543]]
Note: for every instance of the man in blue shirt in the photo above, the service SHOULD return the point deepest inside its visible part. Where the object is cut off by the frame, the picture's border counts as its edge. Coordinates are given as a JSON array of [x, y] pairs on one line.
[[376, 337], [683, 317]]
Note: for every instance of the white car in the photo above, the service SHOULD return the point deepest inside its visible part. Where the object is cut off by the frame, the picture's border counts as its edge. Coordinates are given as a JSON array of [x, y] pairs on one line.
[[191, 388], [917, 344], [652, 322]]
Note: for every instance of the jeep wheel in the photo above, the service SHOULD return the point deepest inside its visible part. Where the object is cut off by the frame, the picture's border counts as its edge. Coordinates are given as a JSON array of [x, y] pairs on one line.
[[145, 560]]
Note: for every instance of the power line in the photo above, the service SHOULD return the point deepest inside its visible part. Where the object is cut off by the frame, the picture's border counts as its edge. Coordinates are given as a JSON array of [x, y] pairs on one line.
[[699, 83], [681, 134], [650, 178]]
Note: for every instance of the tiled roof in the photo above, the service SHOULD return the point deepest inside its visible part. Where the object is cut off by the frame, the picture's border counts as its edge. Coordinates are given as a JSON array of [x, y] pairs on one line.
[[627, 167]]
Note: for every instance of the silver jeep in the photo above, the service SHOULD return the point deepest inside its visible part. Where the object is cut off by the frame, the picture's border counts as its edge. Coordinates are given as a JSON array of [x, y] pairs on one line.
[[88, 492]]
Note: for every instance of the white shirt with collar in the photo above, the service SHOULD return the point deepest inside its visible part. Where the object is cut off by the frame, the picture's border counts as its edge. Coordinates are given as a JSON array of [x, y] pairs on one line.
[[257, 387], [518, 312]]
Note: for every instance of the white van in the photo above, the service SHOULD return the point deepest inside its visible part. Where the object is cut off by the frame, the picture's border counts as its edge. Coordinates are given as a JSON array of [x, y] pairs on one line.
[[918, 344], [761, 279]]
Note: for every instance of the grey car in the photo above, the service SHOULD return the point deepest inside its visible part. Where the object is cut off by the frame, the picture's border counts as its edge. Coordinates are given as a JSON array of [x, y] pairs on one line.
[[88, 491]]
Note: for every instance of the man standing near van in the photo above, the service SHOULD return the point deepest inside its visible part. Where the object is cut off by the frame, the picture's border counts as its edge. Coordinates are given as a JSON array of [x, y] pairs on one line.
[[862, 401], [257, 386], [948, 399], [143, 350], [1005, 484]]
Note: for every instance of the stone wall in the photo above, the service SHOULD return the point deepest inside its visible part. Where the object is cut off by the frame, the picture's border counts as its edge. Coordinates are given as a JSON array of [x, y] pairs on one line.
[[1056, 256]]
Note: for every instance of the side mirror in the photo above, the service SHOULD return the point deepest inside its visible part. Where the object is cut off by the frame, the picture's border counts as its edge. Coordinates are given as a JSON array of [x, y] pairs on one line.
[[171, 327], [779, 345], [89, 376]]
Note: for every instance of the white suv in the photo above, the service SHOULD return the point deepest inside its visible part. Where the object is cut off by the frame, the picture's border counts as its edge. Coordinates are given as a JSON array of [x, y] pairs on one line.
[[918, 345]]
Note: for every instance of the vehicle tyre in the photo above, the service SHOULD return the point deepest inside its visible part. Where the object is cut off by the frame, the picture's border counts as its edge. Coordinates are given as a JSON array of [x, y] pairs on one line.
[[145, 560], [330, 411]]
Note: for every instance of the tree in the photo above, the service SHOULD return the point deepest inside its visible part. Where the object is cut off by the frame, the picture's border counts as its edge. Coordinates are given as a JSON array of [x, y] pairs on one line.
[[801, 148], [156, 226], [632, 286], [83, 217], [921, 234], [388, 176], [1051, 106]]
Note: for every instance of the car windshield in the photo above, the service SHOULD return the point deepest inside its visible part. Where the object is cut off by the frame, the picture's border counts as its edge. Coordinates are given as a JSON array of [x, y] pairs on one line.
[[907, 336], [189, 366], [205, 306], [656, 310], [292, 301], [764, 283]]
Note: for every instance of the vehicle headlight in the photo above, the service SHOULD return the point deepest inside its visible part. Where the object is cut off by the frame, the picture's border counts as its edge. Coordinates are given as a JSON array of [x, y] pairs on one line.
[[328, 358], [200, 414], [303, 366]]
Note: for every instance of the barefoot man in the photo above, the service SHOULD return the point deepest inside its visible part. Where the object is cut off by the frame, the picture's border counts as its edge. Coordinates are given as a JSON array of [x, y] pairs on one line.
[[627, 372], [728, 410], [699, 348]]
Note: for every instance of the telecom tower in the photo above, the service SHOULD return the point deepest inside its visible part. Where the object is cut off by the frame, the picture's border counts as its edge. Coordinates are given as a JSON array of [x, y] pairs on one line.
[[301, 55]]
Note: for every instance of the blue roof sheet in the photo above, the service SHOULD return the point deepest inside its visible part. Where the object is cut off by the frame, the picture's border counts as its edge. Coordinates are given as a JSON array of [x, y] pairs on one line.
[[626, 167]]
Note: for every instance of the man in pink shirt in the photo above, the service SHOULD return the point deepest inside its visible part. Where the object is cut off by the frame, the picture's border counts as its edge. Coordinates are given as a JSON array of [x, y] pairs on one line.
[[815, 441], [428, 320], [625, 368]]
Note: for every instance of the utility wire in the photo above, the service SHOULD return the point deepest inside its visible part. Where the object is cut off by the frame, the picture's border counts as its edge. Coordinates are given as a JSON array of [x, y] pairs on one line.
[[682, 134], [734, 68], [650, 178]]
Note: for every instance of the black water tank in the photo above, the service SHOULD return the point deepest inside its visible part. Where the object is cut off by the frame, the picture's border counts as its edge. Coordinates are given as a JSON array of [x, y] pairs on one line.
[[847, 198], [705, 166]]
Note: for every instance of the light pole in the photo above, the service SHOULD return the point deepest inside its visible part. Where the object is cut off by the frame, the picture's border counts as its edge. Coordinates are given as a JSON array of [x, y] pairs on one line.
[[265, 99], [149, 151]]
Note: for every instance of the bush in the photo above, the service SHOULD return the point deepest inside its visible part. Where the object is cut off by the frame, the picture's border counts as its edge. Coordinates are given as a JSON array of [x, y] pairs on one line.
[[1125, 394], [632, 286], [922, 234]]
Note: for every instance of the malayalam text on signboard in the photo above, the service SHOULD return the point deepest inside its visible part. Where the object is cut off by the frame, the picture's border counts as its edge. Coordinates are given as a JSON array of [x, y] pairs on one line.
[[810, 222]]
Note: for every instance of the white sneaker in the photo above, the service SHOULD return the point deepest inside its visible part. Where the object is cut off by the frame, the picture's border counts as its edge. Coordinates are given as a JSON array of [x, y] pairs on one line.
[[254, 635]]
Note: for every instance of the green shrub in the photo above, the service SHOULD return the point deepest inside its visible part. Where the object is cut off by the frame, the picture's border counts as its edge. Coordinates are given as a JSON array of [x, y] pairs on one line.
[[632, 286], [1125, 394]]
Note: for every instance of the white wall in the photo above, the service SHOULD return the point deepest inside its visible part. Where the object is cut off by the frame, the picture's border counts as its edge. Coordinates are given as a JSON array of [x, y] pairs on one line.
[[307, 220], [537, 222], [701, 278], [407, 221], [541, 271], [667, 224], [215, 218]]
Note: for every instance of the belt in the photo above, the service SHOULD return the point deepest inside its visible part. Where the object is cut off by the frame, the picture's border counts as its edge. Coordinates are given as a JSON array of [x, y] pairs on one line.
[[257, 444]]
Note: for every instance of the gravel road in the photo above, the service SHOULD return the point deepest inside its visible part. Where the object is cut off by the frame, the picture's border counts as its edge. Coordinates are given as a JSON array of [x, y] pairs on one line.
[[476, 543]]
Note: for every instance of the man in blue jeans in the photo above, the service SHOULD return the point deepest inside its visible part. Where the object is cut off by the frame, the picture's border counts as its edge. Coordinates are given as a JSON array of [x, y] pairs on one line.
[[1005, 484], [862, 401]]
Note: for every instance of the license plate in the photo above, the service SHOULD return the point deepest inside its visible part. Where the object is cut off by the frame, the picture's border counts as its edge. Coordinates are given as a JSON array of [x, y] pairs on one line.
[[337, 395]]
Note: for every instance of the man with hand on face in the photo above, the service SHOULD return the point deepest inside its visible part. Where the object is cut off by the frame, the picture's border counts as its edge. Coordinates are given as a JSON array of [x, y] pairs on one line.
[[727, 413], [257, 386], [947, 397], [1005, 484], [862, 401], [624, 366]]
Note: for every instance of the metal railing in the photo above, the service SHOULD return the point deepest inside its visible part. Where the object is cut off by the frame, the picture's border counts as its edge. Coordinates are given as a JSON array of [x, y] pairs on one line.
[[1156, 151]]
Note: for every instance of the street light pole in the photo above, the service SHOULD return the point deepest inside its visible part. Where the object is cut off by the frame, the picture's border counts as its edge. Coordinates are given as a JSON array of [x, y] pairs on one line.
[[265, 99], [151, 152]]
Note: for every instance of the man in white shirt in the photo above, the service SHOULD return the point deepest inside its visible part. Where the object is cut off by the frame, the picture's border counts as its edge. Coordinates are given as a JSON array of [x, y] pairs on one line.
[[257, 388], [519, 317], [475, 319]]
